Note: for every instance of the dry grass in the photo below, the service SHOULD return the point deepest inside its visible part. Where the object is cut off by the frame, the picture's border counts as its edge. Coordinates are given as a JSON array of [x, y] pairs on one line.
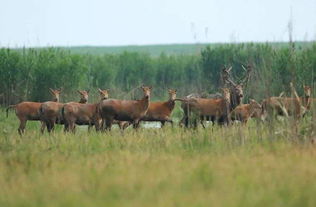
[[237, 166]]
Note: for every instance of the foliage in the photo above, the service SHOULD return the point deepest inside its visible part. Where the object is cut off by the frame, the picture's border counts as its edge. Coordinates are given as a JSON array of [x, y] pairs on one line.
[[28, 73]]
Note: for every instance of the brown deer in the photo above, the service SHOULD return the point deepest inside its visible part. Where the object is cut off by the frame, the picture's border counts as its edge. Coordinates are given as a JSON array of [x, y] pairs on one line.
[[50, 112], [161, 111], [236, 89], [245, 111], [29, 111], [217, 108], [284, 106], [85, 114], [125, 110], [236, 94]]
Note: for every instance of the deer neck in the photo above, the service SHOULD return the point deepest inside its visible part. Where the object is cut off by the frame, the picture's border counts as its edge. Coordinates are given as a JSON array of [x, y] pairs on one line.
[[144, 103], [307, 101], [83, 101], [171, 103]]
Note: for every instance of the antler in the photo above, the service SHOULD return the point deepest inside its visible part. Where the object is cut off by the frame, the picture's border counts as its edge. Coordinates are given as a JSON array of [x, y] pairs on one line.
[[226, 76], [248, 70], [303, 109]]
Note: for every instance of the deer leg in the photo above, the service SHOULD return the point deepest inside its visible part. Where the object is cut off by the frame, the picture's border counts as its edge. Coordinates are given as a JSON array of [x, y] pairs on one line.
[[66, 126], [42, 127], [125, 125], [202, 121], [108, 124], [22, 126], [170, 121], [50, 125], [136, 124], [89, 128], [186, 122], [73, 127], [162, 123], [97, 125]]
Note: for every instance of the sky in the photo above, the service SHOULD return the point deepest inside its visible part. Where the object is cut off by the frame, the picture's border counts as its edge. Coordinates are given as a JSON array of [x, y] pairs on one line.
[[34, 23]]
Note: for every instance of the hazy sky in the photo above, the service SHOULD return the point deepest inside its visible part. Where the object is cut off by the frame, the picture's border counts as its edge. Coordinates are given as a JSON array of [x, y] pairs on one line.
[[126, 22]]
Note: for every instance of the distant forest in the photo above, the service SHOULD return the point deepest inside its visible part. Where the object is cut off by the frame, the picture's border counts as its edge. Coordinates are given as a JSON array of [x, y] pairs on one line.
[[26, 74]]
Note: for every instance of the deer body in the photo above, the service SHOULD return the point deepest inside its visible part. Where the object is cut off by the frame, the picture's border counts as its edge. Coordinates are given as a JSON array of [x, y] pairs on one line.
[[245, 111], [30, 111], [83, 114], [216, 108], [161, 111], [124, 110], [286, 106], [51, 112]]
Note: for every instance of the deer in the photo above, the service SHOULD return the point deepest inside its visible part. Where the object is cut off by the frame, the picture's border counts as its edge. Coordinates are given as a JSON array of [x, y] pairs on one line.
[[85, 114], [217, 108], [161, 111], [236, 88], [236, 93], [50, 112], [124, 110], [29, 111], [285, 106], [243, 112], [82, 113]]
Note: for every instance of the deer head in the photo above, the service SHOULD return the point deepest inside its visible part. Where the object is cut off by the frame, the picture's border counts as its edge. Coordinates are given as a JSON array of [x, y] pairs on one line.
[[104, 94], [172, 94], [307, 91], [84, 95], [146, 90], [55, 94], [236, 87]]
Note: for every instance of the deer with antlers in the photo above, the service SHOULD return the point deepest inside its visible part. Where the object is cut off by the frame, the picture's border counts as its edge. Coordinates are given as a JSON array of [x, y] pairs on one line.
[[235, 91], [29, 111], [236, 88]]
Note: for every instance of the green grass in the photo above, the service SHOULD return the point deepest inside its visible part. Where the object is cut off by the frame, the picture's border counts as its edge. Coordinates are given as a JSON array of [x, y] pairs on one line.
[[256, 165]]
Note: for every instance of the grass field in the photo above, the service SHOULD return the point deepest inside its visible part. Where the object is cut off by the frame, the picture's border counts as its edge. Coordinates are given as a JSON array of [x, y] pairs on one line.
[[256, 165]]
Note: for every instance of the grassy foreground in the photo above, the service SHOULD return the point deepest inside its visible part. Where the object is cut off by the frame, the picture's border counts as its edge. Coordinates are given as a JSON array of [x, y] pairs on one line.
[[255, 165]]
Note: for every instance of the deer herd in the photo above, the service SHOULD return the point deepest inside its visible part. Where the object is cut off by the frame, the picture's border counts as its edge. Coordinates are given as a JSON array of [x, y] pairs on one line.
[[223, 109]]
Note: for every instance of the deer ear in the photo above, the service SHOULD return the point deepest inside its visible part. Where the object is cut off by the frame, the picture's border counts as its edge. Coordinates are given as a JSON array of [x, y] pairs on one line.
[[99, 90], [60, 89], [79, 91], [150, 87], [88, 90]]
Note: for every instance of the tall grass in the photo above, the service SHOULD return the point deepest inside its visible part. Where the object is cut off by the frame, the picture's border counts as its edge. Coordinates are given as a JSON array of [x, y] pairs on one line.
[[253, 165]]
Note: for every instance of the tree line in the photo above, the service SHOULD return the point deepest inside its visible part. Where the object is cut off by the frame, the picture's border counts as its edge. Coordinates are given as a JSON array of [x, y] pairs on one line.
[[26, 74]]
